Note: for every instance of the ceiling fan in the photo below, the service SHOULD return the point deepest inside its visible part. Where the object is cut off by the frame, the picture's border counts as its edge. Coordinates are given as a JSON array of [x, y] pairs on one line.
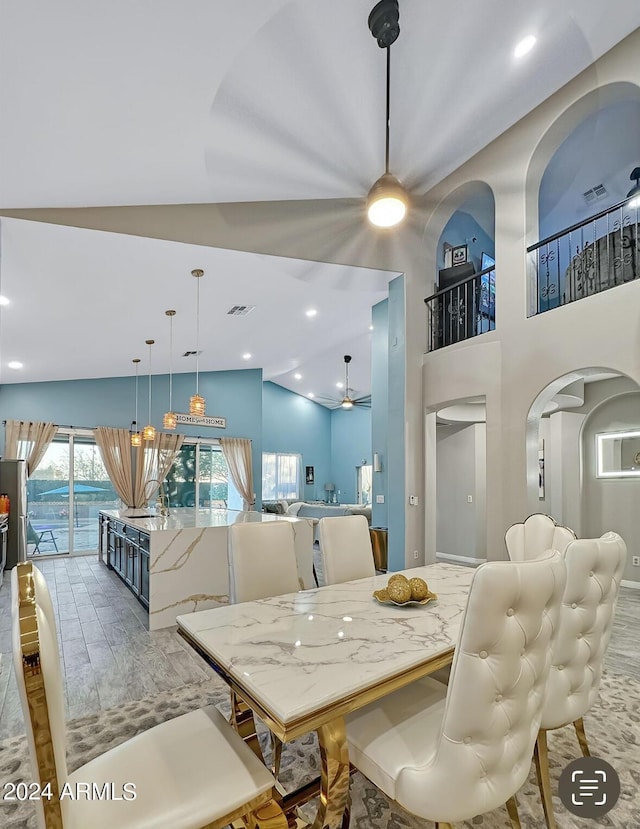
[[348, 401]]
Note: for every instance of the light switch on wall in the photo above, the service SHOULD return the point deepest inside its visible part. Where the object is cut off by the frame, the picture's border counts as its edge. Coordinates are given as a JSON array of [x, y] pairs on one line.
[[413, 500], [470, 499], [379, 499]]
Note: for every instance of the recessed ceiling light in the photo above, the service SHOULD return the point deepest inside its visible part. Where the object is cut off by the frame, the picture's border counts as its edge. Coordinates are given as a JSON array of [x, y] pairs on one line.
[[14, 364], [525, 45], [246, 356], [339, 385], [4, 300], [311, 394], [297, 375], [371, 328], [311, 312]]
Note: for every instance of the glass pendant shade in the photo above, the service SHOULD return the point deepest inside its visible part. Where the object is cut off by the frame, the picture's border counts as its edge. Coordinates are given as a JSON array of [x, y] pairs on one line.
[[197, 405], [136, 439], [387, 202], [169, 421], [347, 403], [149, 432]]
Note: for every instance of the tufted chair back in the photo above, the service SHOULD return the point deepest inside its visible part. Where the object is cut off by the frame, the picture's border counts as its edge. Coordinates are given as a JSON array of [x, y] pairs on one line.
[[345, 544], [262, 560], [594, 571], [536, 534], [32, 610], [496, 690]]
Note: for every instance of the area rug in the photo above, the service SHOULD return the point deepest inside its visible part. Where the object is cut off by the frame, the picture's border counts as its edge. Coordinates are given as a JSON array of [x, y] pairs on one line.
[[613, 729]]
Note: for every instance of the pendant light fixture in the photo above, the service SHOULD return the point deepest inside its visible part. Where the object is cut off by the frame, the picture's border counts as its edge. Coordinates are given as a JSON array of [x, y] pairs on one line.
[[136, 437], [197, 404], [169, 420], [347, 401], [149, 431], [635, 190], [387, 201]]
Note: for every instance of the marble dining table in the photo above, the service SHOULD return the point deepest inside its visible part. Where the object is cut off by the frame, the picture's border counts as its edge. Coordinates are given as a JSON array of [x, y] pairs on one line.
[[304, 660]]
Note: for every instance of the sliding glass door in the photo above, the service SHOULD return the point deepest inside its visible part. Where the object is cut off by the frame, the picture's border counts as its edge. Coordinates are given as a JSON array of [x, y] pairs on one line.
[[65, 494]]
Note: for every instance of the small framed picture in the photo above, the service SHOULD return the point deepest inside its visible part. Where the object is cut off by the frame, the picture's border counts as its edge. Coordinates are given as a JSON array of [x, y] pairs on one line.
[[309, 476], [447, 255], [459, 255]]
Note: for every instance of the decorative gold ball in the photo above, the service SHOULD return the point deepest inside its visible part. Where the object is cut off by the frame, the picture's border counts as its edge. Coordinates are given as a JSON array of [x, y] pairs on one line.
[[398, 577], [419, 589], [399, 591]]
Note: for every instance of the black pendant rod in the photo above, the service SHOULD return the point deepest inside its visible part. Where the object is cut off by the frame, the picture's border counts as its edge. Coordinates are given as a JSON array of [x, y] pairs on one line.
[[386, 156]]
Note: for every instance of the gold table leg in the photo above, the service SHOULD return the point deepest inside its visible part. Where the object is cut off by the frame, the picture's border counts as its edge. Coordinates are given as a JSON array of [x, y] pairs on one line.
[[244, 723], [335, 803]]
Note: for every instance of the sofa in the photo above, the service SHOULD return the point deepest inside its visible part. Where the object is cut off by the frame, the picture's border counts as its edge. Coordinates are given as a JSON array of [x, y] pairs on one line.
[[316, 510]]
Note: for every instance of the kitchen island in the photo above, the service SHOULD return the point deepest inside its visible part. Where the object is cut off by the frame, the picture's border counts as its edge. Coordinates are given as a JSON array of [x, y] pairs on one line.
[[179, 563]]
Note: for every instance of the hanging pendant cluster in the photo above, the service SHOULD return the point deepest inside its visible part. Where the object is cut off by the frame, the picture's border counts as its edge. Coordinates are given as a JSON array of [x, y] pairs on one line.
[[197, 403]]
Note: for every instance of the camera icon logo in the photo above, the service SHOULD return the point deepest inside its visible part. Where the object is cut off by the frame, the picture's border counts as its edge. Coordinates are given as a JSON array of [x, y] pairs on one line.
[[589, 787]]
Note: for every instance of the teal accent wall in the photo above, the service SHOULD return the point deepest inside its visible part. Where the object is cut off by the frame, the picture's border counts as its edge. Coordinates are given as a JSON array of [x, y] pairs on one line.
[[350, 446], [292, 423], [396, 497], [379, 408], [461, 229], [235, 395]]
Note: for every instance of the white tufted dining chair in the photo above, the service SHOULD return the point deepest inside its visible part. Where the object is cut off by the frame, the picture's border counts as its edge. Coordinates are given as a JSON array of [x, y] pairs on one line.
[[189, 772], [345, 545], [536, 534], [262, 560], [449, 754], [595, 567]]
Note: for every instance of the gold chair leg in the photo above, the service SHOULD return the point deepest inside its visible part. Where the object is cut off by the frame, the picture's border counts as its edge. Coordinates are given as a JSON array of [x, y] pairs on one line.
[[244, 723], [269, 816], [442, 825], [512, 808], [541, 758], [582, 737]]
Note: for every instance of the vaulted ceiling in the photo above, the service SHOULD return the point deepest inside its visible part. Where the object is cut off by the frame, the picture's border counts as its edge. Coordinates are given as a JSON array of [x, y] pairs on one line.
[[153, 102]]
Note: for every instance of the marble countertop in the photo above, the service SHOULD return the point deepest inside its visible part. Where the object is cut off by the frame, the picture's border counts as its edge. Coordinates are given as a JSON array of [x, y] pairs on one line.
[[182, 518], [298, 653]]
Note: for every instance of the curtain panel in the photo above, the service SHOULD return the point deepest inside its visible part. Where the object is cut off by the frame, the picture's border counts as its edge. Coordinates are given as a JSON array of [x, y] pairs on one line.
[[27, 441], [237, 453], [115, 448], [154, 459]]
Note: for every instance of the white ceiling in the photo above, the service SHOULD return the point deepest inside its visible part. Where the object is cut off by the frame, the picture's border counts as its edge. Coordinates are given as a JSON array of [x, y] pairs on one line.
[[157, 102]]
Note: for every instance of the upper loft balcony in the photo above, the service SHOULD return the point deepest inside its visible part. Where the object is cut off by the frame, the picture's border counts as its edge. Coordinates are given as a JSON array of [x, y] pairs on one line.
[[589, 257]]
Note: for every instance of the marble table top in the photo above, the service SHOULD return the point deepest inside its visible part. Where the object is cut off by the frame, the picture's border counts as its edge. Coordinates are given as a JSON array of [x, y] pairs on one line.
[[302, 652], [183, 518]]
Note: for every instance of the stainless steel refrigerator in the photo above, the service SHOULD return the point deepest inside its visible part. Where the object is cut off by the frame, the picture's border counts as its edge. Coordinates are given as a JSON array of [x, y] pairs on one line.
[[13, 481]]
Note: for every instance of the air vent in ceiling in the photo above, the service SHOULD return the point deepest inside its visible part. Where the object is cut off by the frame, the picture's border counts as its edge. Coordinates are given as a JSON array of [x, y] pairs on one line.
[[240, 310], [192, 353], [596, 193]]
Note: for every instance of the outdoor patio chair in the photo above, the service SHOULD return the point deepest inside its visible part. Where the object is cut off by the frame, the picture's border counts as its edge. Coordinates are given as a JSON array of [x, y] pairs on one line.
[[43, 535]]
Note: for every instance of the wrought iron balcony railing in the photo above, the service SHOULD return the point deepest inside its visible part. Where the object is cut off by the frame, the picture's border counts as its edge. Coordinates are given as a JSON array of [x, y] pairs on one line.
[[464, 310], [586, 258]]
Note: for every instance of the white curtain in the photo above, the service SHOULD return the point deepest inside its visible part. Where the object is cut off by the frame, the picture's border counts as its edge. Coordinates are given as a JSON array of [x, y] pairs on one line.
[[153, 460], [27, 441], [237, 453], [131, 470], [115, 448]]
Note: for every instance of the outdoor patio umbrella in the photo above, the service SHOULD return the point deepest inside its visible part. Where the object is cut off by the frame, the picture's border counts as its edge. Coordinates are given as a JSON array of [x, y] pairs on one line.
[[77, 489]]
